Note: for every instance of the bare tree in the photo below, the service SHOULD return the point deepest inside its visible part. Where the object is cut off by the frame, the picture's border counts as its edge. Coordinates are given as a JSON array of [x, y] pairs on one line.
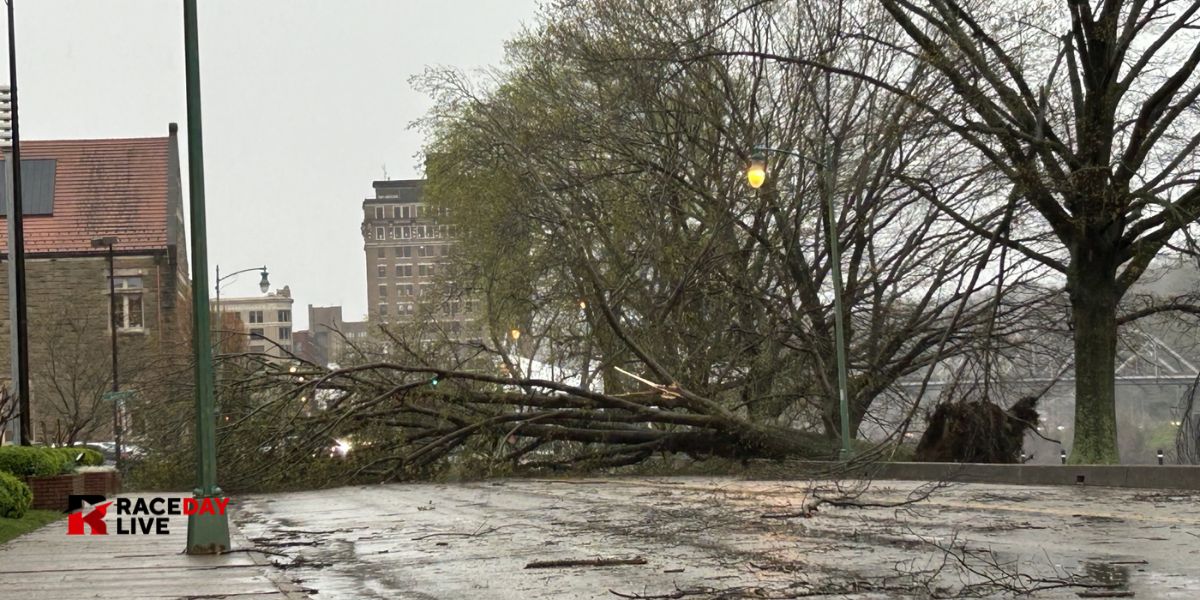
[[1088, 109], [74, 372]]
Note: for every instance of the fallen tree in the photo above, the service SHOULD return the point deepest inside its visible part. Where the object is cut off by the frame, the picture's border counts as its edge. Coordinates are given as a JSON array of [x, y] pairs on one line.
[[404, 421]]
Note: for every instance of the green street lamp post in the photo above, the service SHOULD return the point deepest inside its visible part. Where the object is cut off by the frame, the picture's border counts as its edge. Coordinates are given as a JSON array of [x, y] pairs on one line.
[[756, 174], [207, 533]]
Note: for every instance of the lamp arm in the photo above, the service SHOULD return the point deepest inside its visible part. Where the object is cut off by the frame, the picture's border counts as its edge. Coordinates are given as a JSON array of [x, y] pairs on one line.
[[224, 277]]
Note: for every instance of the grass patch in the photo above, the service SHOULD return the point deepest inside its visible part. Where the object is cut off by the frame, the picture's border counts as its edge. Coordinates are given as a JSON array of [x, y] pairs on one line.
[[11, 528]]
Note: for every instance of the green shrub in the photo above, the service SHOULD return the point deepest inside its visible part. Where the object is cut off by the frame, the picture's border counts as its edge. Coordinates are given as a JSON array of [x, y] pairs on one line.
[[15, 497], [30, 461], [80, 456]]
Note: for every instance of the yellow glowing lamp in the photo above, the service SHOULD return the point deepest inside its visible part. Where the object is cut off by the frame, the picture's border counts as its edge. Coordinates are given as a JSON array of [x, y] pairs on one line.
[[756, 173], [515, 333]]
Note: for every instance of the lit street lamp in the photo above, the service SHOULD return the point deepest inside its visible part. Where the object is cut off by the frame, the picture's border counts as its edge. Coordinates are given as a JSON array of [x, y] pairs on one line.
[[756, 175]]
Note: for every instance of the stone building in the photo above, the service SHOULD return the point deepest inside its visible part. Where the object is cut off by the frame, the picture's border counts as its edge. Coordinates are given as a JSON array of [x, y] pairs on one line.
[[84, 190], [407, 246], [328, 335], [267, 320]]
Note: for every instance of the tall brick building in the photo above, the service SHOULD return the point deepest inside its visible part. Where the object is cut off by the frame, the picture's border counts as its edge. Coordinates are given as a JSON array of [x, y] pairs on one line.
[[407, 247], [84, 190]]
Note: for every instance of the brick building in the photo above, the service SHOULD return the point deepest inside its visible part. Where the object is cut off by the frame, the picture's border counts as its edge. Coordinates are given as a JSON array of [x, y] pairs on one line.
[[82, 190], [407, 247], [328, 335]]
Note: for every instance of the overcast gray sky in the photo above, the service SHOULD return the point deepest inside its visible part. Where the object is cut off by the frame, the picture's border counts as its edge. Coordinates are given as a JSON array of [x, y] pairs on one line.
[[304, 102]]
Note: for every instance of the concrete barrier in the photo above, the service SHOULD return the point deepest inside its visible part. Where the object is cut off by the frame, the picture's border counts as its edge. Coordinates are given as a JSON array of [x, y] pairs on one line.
[[1173, 477]]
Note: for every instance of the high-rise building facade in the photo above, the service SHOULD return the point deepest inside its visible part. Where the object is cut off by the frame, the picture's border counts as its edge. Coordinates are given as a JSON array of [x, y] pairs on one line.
[[408, 246]]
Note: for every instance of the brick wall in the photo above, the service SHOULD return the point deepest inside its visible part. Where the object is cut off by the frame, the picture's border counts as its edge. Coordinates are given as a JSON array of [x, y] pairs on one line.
[[52, 493]]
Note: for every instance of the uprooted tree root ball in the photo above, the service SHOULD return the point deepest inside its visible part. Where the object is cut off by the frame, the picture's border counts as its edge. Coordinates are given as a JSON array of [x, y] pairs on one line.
[[977, 431]]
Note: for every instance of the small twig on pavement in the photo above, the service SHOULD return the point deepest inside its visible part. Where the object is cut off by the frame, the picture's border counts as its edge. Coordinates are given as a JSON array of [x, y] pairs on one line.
[[259, 550], [457, 534], [586, 562]]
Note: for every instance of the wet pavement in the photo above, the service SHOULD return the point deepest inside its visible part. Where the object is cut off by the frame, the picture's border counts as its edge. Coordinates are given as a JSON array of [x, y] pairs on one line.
[[726, 538]]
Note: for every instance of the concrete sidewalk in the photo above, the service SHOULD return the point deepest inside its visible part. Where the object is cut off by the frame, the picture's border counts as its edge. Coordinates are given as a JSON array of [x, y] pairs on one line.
[[48, 564]]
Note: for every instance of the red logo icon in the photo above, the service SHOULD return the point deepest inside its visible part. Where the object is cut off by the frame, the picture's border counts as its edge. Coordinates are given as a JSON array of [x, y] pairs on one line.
[[94, 520]]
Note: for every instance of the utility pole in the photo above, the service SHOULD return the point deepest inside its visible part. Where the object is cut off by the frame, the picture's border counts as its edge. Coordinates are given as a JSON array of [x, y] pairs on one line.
[[16, 250], [207, 533]]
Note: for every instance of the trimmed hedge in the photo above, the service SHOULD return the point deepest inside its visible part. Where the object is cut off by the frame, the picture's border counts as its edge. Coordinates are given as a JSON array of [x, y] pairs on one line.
[[33, 461], [15, 497], [81, 456]]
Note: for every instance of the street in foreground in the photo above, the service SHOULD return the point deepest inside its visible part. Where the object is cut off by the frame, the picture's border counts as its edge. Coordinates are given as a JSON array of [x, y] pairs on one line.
[[673, 538], [701, 537]]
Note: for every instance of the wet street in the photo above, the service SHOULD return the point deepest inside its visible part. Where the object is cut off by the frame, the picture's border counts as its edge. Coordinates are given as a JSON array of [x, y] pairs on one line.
[[726, 538]]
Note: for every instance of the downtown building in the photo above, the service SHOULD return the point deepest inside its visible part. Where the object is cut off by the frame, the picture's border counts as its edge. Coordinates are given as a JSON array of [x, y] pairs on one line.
[[267, 320], [407, 247], [328, 335]]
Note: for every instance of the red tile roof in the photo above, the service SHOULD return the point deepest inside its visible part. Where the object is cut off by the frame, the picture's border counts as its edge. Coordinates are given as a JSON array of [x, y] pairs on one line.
[[101, 188]]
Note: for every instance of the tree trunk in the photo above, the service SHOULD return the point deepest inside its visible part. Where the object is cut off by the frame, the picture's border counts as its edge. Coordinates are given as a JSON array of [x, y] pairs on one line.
[[1094, 295]]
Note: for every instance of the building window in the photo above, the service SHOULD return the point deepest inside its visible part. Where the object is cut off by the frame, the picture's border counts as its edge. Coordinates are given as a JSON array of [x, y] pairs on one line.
[[405, 212], [254, 316], [445, 249], [407, 251], [285, 316], [285, 333], [380, 252], [383, 291], [257, 349], [405, 232], [381, 270], [395, 212], [408, 270], [129, 303], [383, 313], [378, 212], [399, 251], [256, 333], [380, 234], [421, 251]]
